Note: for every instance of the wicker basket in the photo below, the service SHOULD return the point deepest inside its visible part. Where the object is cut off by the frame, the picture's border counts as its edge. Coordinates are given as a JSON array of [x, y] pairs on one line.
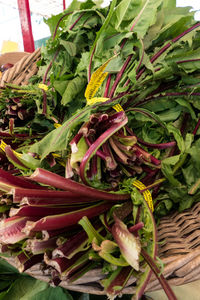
[[178, 234], [12, 57], [22, 70]]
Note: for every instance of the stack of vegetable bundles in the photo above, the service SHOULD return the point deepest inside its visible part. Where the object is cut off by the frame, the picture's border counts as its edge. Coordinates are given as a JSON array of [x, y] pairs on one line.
[[103, 142]]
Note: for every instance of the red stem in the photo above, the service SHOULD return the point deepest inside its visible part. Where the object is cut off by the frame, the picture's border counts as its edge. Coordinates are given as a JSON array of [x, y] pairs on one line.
[[119, 76], [73, 25], [170, 294], [196, 127], [55, 180], [168, 45]]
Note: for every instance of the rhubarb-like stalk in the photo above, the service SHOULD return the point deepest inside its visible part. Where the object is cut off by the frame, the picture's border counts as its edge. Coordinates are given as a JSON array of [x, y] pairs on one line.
[[11, 229], [24, 261], [52, 179], [19, 193], [73, 245], [170, 294], [119, 75], [67, 219], [17, 181], [35, 211], [97, 144], [36, 246], [56, 202], [118, 279]]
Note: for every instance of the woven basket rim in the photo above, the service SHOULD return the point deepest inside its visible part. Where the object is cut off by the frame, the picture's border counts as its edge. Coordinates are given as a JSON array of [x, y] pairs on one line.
[[12, 57]]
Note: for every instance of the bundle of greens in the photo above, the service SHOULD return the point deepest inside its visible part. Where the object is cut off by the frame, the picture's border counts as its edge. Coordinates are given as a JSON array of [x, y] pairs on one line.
[[125, 79]]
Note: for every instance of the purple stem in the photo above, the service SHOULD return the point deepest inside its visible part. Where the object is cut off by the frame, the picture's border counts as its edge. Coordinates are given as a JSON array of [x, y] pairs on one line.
[[90, 64], [170, 294], [49, 67], [136, 227], [107, 86], [110, 163], [119, 76], [97, 144], [168, 45], [59, 221], [123, 157], [20, 192], [187, 60], [196, 127], [147, 156], [57, 26], [38, 211], [29, 262], [156, 146], [18, 181], [73, 25], [74, 142], [99, 153], [52, 179], [175, 94]]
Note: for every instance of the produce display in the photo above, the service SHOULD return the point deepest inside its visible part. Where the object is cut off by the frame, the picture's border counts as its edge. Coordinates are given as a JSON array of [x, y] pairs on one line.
[[102, 143]]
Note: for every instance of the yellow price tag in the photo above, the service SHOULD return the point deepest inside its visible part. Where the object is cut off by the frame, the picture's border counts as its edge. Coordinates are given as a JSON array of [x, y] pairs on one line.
[[96, 80], [118, 107], [147, 195], [96, 100], [3, 145], [43, 86], [56, 125]]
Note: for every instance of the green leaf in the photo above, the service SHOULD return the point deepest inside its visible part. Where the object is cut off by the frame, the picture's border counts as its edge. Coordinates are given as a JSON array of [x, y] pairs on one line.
[[148, 115], [60, 86], [69, 46], [37, 287], [20, 288], [52, 293], [166, 168], [74, 87], [77, 156], [52, 22], [177, 135], [58, 139], [5, 267], [120, 12], [83, 63], [105, 24], [146, 17], [185, 103]]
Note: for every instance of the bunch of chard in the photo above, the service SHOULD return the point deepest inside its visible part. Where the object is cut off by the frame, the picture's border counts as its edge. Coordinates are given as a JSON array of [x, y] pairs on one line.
[[103, 150], [43, 225], [153, 73]]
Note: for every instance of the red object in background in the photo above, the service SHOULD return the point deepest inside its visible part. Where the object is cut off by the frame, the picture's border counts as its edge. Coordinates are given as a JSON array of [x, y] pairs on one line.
[[64, 6], [25, 18]]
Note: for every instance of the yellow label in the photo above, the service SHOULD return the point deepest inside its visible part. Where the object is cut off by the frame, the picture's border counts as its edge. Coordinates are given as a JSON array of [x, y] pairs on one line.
[[0, 74], [118, 108], [3, 145], [43, 86], [56, 125], [96, 80], [147, 195], [96, 100]]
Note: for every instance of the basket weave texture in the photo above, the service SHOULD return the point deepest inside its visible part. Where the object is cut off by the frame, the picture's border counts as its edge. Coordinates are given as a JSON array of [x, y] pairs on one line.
[[22, 70], [178, 233]]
